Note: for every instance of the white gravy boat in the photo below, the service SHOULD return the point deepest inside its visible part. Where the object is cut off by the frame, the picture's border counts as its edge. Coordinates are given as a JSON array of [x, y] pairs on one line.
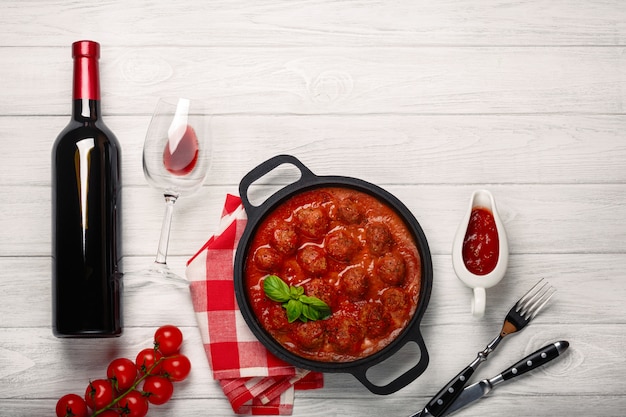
[[479, 283]]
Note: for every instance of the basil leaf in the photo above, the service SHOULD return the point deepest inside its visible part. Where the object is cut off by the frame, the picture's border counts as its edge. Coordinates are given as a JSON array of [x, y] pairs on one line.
[[320, 308], [309, 313], [300, 291], [276, 289], [324, 313], [294, 310], [296, 292], [298, 305], [313, 302]]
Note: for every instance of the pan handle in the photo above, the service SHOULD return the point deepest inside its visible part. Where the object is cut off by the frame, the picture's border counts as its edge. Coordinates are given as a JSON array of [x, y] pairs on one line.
[[404, 379], [265, 168]]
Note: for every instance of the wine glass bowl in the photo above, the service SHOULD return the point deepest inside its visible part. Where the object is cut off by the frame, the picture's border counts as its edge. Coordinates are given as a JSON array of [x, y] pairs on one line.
[[177, 151]]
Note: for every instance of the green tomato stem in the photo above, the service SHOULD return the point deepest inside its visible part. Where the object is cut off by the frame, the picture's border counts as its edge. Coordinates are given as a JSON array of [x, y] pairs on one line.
[[113, 403]]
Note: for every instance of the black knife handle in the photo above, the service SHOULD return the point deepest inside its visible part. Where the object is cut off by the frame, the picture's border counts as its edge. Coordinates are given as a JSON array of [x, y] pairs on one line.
[[444, 398], [536, 359]]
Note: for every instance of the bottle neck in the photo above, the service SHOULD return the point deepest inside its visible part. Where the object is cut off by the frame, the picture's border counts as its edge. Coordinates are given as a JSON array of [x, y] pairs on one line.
[[86, 89], [85, 109]]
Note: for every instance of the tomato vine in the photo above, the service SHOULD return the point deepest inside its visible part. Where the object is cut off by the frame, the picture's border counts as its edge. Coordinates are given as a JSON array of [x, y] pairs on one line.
[[131, 386]]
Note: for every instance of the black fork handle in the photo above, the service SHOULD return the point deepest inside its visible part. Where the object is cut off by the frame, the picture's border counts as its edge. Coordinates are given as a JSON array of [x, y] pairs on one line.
[[438, 405]]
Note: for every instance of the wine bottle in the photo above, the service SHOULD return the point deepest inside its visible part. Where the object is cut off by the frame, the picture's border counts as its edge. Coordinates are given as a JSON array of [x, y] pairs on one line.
[[86, 205]]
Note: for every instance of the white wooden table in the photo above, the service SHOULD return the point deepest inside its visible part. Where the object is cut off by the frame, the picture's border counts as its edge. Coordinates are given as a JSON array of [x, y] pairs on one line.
[[427, 99]]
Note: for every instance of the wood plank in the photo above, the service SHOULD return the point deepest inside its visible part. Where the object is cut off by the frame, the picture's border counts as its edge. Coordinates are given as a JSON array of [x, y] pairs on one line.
[[449, 303], [550, 149], [356, 23], [495, 405], [592, 357], [333, 80], [538, 218]]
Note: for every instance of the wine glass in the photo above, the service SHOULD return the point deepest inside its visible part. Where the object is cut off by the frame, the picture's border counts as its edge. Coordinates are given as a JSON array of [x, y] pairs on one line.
[[176, 159]]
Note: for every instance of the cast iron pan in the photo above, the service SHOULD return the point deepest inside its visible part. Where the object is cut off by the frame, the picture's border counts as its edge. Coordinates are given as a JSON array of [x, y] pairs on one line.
[[309, 181]]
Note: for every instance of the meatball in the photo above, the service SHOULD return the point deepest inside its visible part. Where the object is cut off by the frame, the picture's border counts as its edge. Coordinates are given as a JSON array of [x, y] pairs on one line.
[[391, 268], [285, 239], [310, 335], [292, 271], [312, 221], [379, 238], [344, 334], [275, 318], [322, 289], [396, 302], [267, 259], [375, 319], [350, 211], [355, 282], [341, 245], [313, 260]]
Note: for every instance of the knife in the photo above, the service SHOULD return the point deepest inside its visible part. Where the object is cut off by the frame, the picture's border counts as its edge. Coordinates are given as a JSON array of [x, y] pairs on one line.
[[480, 389]]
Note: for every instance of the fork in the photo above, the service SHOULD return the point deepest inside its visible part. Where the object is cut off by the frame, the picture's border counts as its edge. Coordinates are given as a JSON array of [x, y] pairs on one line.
[[518, 317]]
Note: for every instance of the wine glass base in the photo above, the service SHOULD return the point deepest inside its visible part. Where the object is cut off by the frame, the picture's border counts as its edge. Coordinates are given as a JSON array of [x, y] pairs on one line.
[[157, 273]]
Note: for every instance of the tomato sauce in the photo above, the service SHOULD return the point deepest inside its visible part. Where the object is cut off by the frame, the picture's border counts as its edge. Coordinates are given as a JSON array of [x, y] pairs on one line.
[[481, 243], [348, 249]]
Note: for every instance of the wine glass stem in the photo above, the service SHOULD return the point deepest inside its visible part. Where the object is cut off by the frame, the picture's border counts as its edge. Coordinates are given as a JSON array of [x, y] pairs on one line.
[[161, 257]]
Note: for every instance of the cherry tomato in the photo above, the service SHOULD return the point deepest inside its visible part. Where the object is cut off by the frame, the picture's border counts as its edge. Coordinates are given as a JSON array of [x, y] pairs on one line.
[[71, 405], [168, 339], [158, 389], [176, 367], [99, 394], [123, 372], [146, 359], [133, 405]]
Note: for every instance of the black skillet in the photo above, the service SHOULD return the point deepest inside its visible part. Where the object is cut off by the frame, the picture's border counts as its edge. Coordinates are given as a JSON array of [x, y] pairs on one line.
[[306, 182]]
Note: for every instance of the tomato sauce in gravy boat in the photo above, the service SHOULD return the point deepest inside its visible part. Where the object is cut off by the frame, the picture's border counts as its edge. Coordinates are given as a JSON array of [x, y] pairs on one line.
[[479, 282]]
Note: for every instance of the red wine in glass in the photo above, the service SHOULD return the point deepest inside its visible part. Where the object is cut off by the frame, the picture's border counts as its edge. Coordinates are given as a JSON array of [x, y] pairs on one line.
[[183, 158]]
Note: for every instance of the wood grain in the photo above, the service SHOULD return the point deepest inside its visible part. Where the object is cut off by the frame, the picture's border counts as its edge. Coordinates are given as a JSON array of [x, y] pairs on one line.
[[319, 23], [568, 273], [437, 149], [333, 80], [537, 219], [66, 358]]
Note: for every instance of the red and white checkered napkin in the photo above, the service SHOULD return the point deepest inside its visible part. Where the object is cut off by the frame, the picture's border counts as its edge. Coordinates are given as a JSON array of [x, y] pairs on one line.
[[254, 380]]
